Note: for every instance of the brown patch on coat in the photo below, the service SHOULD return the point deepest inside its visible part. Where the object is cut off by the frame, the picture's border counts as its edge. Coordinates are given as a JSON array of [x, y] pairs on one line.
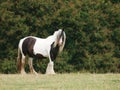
[[27, 48], [54, 51]]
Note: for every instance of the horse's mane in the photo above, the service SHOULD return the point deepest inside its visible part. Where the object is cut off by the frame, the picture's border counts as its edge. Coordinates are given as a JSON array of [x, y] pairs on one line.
[[60, 35]]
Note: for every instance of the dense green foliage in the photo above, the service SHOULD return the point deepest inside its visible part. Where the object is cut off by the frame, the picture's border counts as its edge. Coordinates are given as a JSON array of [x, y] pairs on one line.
[[92, 28]]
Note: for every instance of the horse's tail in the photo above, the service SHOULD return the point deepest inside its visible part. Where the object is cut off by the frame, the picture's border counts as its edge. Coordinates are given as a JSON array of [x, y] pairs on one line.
[[19, 62]]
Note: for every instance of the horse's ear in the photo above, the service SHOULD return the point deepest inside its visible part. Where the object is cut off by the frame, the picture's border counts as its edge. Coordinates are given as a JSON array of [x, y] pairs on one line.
[[56, 28]]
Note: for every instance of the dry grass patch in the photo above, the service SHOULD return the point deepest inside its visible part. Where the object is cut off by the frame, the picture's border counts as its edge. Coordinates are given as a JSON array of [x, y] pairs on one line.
[[60, 82]]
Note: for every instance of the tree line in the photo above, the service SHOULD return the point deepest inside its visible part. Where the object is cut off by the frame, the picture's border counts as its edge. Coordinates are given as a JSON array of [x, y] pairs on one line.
[[92, 28]]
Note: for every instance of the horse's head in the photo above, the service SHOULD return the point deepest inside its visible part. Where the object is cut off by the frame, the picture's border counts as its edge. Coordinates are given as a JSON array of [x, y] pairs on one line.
[[60, 38]]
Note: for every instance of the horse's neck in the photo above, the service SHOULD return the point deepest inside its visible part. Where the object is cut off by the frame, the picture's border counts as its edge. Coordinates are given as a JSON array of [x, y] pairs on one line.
[[50, 38]]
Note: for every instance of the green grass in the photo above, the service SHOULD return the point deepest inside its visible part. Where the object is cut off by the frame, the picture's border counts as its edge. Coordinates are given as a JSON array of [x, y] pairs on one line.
[[72, 81]]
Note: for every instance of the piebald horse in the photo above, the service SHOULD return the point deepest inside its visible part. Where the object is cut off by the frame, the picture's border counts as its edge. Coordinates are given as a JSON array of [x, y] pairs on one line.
[[35, 47]]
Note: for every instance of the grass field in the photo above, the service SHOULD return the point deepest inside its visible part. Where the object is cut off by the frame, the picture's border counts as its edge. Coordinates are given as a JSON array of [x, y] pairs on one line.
[[72, 81]]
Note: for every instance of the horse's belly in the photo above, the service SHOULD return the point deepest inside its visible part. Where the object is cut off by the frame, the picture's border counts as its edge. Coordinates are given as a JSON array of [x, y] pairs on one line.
[[41, 50]]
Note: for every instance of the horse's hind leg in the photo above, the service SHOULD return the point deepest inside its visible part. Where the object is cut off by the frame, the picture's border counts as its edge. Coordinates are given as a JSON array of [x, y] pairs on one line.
[[22, 65], [30, 62]]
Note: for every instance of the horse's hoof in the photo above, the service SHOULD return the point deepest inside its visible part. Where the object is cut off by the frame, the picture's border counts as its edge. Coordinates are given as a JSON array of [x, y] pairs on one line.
[[50, 73], [35, 73], [23, 73]]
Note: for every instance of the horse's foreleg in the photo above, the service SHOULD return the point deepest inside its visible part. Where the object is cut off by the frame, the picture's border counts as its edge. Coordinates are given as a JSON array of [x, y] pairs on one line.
[[30, 62], [50, 67], [22, 65]]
